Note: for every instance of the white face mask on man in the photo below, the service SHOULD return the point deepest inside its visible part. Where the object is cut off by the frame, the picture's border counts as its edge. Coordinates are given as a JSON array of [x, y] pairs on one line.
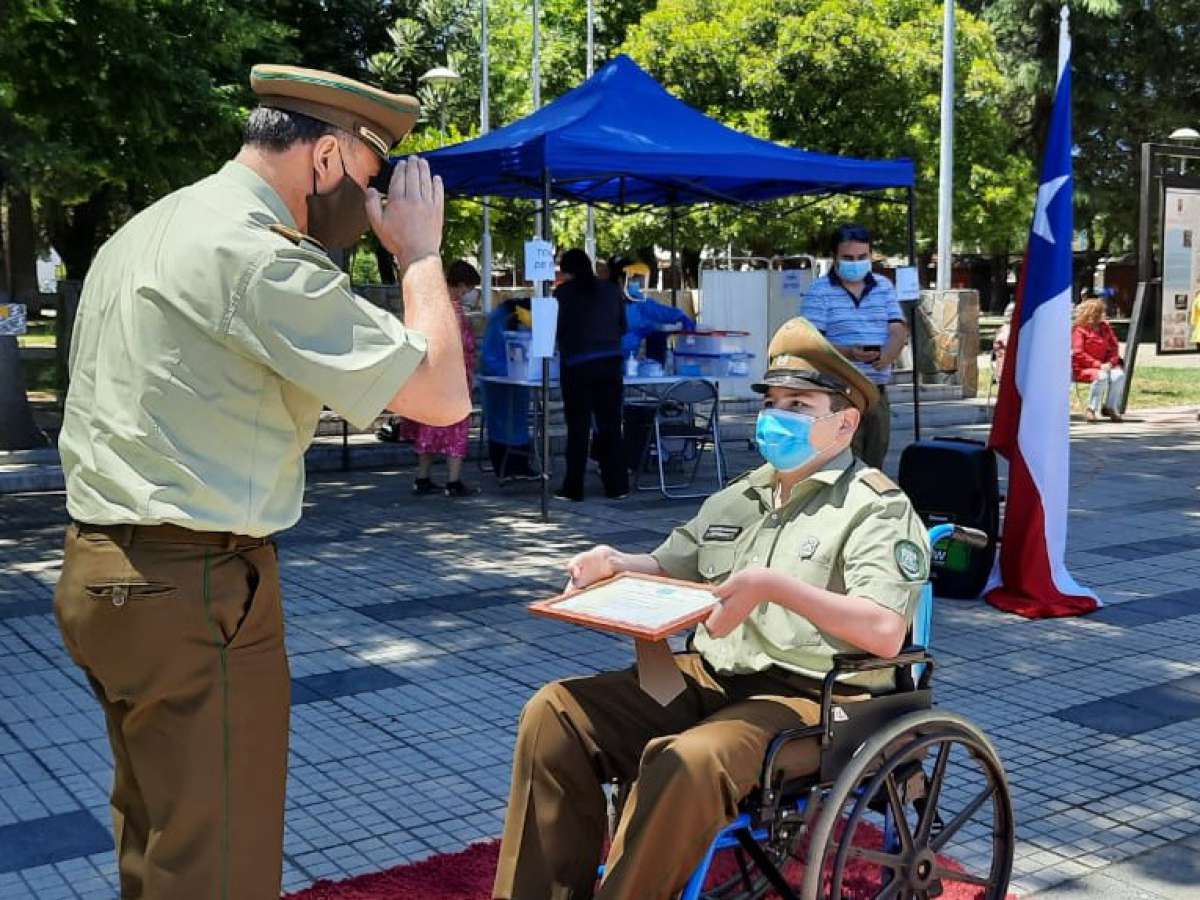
[[470, 298]]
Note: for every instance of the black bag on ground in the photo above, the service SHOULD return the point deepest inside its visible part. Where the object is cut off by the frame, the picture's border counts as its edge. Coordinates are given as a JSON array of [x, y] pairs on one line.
[[954, 480]]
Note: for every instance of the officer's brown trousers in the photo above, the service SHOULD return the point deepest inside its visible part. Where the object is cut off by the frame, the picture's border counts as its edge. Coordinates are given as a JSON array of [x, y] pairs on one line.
[[182, 641], [693, 761]]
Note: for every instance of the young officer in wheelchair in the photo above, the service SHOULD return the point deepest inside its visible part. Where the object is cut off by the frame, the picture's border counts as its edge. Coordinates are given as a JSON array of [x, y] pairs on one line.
[[813, 555]]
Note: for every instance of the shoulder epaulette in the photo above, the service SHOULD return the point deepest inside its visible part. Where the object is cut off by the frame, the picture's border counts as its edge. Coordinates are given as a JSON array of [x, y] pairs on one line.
[[878, 482], [294, 235]]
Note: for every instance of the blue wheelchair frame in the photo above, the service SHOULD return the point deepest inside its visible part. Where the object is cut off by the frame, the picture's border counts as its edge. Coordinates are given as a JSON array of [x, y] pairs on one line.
[[743, 832]]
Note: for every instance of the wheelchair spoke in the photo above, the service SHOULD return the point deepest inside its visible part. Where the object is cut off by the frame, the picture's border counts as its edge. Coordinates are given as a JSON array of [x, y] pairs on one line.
[[897, 805], [962, 818], [965, 877], [929, 813], [893, 890], [887, 860]]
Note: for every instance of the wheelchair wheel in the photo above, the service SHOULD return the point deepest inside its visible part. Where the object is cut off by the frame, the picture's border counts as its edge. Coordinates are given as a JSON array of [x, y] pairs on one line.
[[934, 783]]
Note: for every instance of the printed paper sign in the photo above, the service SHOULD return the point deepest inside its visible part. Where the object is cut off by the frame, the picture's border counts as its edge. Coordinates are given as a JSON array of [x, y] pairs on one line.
[[907, 285], [545, 327], [539, 260]]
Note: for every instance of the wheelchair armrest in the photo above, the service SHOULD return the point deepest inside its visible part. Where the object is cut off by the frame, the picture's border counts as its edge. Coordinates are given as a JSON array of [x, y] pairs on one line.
[[842, 663], [867, 662]]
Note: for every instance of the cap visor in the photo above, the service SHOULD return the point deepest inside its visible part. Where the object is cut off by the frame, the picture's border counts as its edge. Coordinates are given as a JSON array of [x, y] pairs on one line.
[[795, 382]]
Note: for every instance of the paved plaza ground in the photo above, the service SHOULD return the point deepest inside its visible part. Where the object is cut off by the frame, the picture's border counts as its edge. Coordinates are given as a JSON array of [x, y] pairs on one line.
[[412, 655]]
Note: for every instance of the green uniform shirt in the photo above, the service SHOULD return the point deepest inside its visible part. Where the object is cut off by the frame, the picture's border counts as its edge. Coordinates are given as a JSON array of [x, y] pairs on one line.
[[846, 528], [208, 337]]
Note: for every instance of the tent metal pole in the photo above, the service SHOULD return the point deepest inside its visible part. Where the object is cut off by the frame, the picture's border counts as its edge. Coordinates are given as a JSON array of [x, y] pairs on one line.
[[674, 262], [912, 261], [543, 291]]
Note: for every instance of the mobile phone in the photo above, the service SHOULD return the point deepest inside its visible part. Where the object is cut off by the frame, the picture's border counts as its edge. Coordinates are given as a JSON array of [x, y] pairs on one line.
[[874, 347]]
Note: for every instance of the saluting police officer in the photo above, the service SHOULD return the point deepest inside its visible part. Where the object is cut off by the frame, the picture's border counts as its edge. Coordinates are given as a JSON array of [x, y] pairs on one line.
[[811, 555], [211, 329]]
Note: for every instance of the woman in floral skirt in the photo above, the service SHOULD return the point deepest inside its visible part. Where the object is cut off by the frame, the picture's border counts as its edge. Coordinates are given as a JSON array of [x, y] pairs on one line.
[[450, 441]]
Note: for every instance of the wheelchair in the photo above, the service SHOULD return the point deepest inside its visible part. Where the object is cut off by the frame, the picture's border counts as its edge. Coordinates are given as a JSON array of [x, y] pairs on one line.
[[909, 802]]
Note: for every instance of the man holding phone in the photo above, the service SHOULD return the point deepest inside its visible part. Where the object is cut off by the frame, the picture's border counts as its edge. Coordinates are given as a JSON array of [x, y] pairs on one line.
[[858, 312]]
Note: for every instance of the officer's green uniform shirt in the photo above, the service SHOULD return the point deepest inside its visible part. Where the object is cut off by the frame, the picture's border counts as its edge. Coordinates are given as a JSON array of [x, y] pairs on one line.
[[846, 528], [208, 337]]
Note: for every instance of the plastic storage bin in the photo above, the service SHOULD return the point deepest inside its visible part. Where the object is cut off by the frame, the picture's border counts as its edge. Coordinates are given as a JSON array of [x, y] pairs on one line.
[[713, 343], [522, 366], [712, 365]]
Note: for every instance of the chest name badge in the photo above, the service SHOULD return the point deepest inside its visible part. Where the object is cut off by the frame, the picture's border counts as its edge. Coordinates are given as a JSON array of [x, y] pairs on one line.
[[722, 532], [808, 547]]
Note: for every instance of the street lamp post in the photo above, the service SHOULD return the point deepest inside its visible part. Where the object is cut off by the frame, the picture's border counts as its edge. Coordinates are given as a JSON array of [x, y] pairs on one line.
[[440, 79], [589, 240]]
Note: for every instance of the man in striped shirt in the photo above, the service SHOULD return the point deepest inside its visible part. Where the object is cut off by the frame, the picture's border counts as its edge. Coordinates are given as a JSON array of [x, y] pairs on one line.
[[858, 312]]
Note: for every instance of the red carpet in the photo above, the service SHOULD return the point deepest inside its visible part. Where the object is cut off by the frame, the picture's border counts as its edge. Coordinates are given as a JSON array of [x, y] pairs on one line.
[[467, 875]]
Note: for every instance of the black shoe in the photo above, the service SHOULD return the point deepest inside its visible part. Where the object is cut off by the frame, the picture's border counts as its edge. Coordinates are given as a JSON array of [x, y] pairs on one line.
[[423, 487], [617, 495], [563, 495], [458, 489]]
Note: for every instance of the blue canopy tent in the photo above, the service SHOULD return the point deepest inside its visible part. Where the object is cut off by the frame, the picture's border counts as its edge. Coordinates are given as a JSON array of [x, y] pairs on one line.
[[622, 142]]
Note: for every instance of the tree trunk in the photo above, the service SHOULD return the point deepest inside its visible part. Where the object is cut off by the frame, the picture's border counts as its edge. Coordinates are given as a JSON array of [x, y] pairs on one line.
[[75, 232], [18, 431], [999, 298], [22, 247], [4, 265], [387, 268]]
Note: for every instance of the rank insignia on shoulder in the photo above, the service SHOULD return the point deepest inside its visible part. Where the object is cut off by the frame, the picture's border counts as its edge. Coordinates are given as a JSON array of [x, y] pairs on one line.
[[722, 532], [294, 235], [878, 482]]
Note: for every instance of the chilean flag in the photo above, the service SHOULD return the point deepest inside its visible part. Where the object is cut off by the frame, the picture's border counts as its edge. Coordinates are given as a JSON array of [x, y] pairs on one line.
[[1031, 425]]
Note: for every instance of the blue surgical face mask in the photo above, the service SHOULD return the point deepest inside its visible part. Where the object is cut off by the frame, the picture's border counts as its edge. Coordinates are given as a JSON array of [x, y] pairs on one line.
[[785, 438], [853, 270]]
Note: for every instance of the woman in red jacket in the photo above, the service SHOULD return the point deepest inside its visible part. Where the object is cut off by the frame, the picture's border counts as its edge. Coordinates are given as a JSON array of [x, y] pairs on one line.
[[1096, 359]]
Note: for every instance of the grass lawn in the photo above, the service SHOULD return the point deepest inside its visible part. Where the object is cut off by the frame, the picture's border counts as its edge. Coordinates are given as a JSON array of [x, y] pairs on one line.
[[1152, 387], [39, 333], [1164, 387]]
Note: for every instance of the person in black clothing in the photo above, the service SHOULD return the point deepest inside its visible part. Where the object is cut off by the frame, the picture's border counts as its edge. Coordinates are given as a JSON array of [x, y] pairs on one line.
[[591, 320]]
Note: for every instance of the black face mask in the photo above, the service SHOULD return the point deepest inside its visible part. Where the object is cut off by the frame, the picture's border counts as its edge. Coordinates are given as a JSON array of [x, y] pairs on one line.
[[339, 218]]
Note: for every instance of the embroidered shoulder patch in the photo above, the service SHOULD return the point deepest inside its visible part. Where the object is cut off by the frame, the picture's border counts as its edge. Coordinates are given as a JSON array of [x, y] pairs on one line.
[[910, 560], [878, 482], [722, 532]]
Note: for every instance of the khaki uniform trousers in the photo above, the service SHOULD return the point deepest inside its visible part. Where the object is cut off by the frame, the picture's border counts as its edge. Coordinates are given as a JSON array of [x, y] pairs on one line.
[[181, 635], [690, 762], [874, 433]]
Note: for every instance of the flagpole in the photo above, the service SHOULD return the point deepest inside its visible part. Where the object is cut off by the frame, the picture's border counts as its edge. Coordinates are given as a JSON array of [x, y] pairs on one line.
[[946, 163], [1064, 40], [485, 250]]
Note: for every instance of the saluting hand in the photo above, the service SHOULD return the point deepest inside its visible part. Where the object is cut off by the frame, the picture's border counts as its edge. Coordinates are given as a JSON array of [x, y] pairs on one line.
[[739, 596], [410, 226]]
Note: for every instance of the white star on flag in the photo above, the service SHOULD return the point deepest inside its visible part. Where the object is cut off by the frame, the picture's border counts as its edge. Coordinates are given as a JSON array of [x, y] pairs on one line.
[[1046, 193]]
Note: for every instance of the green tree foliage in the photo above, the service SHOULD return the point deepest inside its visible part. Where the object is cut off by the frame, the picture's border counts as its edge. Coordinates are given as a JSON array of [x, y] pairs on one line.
[[856, 79], [108, 104], [1136, 78]]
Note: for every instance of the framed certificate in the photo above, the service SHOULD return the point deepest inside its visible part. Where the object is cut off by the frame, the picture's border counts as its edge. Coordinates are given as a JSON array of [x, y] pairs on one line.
[[648, 607]]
